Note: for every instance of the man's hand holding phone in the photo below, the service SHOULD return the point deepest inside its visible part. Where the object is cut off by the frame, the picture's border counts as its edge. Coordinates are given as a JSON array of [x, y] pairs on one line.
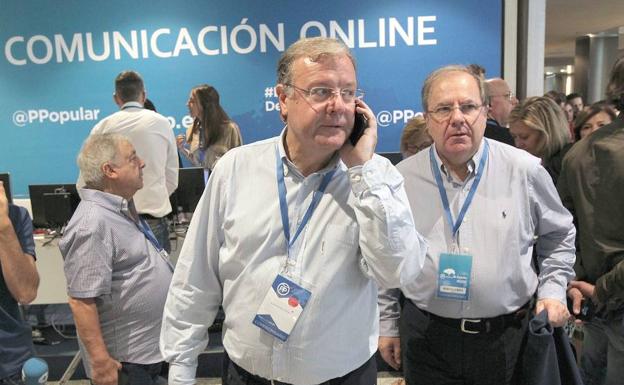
[[365, 126]]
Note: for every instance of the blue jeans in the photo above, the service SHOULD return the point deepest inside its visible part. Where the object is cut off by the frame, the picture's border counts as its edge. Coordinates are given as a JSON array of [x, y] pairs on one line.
[[160, 228], [602, 357]]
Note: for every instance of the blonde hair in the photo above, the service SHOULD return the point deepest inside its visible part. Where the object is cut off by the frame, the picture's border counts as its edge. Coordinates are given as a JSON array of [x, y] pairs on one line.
[[544, 115], [415, 131]]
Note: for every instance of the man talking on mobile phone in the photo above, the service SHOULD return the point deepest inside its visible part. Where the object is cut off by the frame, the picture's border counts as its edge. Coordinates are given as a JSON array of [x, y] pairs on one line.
[[292, 236]]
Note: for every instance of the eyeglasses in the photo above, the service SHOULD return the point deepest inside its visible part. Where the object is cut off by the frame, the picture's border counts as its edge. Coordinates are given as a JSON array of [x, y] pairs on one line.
[[509, 96], [442, 113], [320, 95]]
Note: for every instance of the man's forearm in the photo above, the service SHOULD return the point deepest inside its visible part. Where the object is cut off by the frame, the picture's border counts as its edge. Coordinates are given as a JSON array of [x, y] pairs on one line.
[[18, 269], [88, 326]]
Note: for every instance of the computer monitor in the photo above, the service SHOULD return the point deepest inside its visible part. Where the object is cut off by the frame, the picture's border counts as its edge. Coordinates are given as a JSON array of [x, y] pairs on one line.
[[52, 204], [394, 157], [191, 184], [5, 177]]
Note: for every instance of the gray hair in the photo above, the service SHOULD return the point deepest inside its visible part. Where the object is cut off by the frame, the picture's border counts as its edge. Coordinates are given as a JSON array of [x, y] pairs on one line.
[[315, 49], [440, 72], [95, 152]]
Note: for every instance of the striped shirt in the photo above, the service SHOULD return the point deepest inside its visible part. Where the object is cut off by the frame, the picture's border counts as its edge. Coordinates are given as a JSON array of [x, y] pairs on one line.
[[108, 258]]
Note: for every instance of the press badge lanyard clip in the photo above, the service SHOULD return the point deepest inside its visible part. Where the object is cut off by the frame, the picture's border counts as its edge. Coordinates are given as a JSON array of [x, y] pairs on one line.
[[445, 202], [281, 188]]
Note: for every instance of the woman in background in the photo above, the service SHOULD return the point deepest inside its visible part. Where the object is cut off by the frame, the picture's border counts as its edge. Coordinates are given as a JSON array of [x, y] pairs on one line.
[[597, 115], [212, 134], [539, 126], [415, 136]]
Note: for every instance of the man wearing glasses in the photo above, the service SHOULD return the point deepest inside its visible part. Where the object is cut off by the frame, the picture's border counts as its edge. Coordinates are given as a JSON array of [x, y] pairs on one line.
[[482, 207], [501, 101], [292, 237]]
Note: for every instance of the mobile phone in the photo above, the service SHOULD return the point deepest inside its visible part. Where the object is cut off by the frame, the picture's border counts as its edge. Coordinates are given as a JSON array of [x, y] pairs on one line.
[[359, 125], [587, 309]]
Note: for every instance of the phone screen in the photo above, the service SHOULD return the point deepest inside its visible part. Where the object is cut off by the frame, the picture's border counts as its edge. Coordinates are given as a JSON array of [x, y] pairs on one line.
[[359, 125]]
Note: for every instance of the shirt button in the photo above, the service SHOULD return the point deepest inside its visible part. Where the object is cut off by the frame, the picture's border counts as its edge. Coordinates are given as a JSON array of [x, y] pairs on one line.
[[357, 178]]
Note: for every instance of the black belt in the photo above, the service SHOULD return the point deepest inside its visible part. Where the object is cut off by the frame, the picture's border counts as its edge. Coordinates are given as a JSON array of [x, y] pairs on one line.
[[482, 325], [147, 216]]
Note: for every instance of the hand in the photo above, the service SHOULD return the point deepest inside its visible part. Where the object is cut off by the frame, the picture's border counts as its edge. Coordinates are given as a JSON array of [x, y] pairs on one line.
[[557, 312], [586, 289], [180, 141], [390, 350], [365, 147], [104, 371]]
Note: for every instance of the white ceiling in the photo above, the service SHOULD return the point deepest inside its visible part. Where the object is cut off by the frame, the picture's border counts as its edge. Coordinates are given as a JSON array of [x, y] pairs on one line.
[[568, 19]]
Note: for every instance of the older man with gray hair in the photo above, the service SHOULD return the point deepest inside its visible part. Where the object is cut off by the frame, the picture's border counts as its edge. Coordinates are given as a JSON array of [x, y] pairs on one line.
[[117, 273]]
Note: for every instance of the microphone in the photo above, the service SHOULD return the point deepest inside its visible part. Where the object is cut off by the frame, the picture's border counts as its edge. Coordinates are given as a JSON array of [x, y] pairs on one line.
[[35, 371]]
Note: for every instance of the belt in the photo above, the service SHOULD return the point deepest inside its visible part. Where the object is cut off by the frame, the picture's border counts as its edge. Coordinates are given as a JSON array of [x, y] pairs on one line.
[[482, 325], [148, 216]]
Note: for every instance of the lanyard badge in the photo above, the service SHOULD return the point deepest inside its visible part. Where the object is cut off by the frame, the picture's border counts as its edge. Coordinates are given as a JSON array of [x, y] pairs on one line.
[[285, 300], [454, 269]]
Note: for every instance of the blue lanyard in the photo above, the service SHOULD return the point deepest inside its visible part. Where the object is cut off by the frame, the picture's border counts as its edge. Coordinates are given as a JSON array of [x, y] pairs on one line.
[[445, 203], [281, 188], [145, 229]]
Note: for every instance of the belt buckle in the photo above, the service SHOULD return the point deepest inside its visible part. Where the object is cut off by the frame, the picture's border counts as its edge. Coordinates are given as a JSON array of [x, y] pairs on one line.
[[463, 325]]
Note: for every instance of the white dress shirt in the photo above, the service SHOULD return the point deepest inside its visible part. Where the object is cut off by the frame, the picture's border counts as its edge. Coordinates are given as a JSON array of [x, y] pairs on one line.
[[361, 233], [154, 142], [515, 207]]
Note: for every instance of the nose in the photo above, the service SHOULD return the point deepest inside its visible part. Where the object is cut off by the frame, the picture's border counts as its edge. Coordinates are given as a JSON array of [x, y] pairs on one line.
[[336, 103], [141, 163], [457, 117]]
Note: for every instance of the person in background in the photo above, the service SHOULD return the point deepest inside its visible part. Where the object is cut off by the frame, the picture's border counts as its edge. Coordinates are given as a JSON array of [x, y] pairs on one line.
[[501, 101], [303, 215], [19, 281], [415, 136], [591, 187], [116, 271], [592, 118], [212, 134], [150, 133], [576, 100], [539, 127]]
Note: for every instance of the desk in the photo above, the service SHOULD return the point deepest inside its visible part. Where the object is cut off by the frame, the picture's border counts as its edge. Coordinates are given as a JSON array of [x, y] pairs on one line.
[[52, 284]]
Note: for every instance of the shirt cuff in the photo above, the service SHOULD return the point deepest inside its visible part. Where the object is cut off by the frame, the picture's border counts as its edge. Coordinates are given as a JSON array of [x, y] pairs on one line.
[[389, 327], [181, 374], [552, 290]]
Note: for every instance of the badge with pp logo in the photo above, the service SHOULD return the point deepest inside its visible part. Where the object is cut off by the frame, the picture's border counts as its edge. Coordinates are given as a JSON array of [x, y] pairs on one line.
[[281, 308], [454, 276]]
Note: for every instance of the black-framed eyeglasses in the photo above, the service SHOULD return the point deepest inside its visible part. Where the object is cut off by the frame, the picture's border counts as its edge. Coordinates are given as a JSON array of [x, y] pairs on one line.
[[320, 95], [444, 112]]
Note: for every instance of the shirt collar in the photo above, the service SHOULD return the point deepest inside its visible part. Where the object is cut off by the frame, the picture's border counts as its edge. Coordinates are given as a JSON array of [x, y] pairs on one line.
[[131, 105], [472, 163], [109, 201], [290, 166]]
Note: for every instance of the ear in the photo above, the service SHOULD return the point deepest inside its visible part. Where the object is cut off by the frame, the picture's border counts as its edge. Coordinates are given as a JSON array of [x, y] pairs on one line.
[[108, 171], [280, 90], [117, 101], [143, 97]]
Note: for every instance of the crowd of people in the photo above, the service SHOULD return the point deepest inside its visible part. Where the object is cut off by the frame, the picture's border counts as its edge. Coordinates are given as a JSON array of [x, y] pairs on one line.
[[321, 252]]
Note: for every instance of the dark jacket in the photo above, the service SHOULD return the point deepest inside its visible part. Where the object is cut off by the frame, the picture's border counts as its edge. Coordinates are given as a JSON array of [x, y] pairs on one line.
[[591, 186], [548, 358]]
